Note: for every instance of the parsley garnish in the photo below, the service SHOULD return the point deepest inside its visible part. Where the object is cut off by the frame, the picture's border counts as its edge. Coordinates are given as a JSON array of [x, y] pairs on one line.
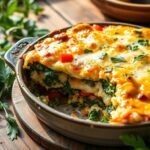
[[108, 87], [16, 27], [12, 127], [134, 141], [143, 42], [139, 57], [103, 56], [86, 51], [118, 59], [132, 47]]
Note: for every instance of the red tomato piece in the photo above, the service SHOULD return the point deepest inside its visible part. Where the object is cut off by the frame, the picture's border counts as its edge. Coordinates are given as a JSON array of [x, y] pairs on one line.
[[48, 54], [66, 58], [53, 95], [84, 93], [98, 27]]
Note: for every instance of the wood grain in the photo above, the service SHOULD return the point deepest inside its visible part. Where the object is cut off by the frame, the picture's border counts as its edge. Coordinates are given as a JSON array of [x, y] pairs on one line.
[[75, 11]]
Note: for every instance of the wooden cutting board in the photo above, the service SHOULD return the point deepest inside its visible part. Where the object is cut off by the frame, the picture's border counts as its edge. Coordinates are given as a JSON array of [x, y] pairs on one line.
[[39, 132]]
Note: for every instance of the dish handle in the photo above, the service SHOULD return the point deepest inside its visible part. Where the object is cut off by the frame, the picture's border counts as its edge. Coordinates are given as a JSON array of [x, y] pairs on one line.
[[12, 55]]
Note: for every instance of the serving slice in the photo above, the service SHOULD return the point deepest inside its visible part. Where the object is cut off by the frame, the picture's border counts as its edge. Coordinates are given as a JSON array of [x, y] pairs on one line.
[[103, 72]]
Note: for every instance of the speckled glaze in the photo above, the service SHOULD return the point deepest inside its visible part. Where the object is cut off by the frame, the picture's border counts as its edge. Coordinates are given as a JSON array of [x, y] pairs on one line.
[[78, 129]]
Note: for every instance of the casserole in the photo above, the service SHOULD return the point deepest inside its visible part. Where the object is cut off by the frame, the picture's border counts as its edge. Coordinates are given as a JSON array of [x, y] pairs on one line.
[[74, 127]]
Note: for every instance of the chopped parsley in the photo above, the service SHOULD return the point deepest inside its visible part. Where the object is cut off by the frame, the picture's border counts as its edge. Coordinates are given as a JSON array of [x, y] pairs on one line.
[[103, 56], [132, 47], [108, 87], [94, 115], [86, 51], [143, 42], [135, 46], [139, 57], [118, 59]]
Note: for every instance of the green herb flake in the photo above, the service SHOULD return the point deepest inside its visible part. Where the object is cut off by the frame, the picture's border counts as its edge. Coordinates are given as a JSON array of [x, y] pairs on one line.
[[109, 69], [132, 47], [86, 51], [139, 57], [94, 115], [143, 42], [108, 87], [115, 39], [103, 56], [118, 59]]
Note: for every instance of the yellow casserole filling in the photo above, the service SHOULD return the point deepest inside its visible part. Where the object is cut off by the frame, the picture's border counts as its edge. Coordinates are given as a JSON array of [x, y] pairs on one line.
[[115, 58]]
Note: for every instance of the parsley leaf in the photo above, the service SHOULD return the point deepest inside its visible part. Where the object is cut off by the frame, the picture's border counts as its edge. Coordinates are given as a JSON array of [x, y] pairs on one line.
[[16, 27], [134, 141], [103, 56], [108, 87], [86, 51], [132, 47], [118, 59], [143, 42], [139, 57], [12, 129], [6, 78]]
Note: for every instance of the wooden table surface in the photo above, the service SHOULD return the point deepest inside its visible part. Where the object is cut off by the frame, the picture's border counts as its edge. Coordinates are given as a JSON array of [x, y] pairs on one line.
[[57, 14]]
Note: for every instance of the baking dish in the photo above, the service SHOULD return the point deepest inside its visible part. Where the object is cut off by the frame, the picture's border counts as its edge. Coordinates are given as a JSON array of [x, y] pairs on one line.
[[85, 131]]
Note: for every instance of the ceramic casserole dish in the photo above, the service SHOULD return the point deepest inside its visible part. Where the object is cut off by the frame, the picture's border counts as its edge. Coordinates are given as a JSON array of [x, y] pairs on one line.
[[92, 121]]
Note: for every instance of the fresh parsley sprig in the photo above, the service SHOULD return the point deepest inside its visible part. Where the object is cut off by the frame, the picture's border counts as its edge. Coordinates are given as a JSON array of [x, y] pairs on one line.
[[134, 141], [12, 127], [14, 25]]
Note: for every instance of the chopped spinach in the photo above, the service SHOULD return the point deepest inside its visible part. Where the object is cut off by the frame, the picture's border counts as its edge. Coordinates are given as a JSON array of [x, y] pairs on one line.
[[108, 87], [91, 102], [51, 77], [118, 59], [103, 56], [143, 42], [94, 115], [86, 51], [67, 88]]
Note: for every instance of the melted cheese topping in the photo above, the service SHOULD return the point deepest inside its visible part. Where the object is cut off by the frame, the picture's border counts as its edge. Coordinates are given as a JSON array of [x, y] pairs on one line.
[[124, 49]]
